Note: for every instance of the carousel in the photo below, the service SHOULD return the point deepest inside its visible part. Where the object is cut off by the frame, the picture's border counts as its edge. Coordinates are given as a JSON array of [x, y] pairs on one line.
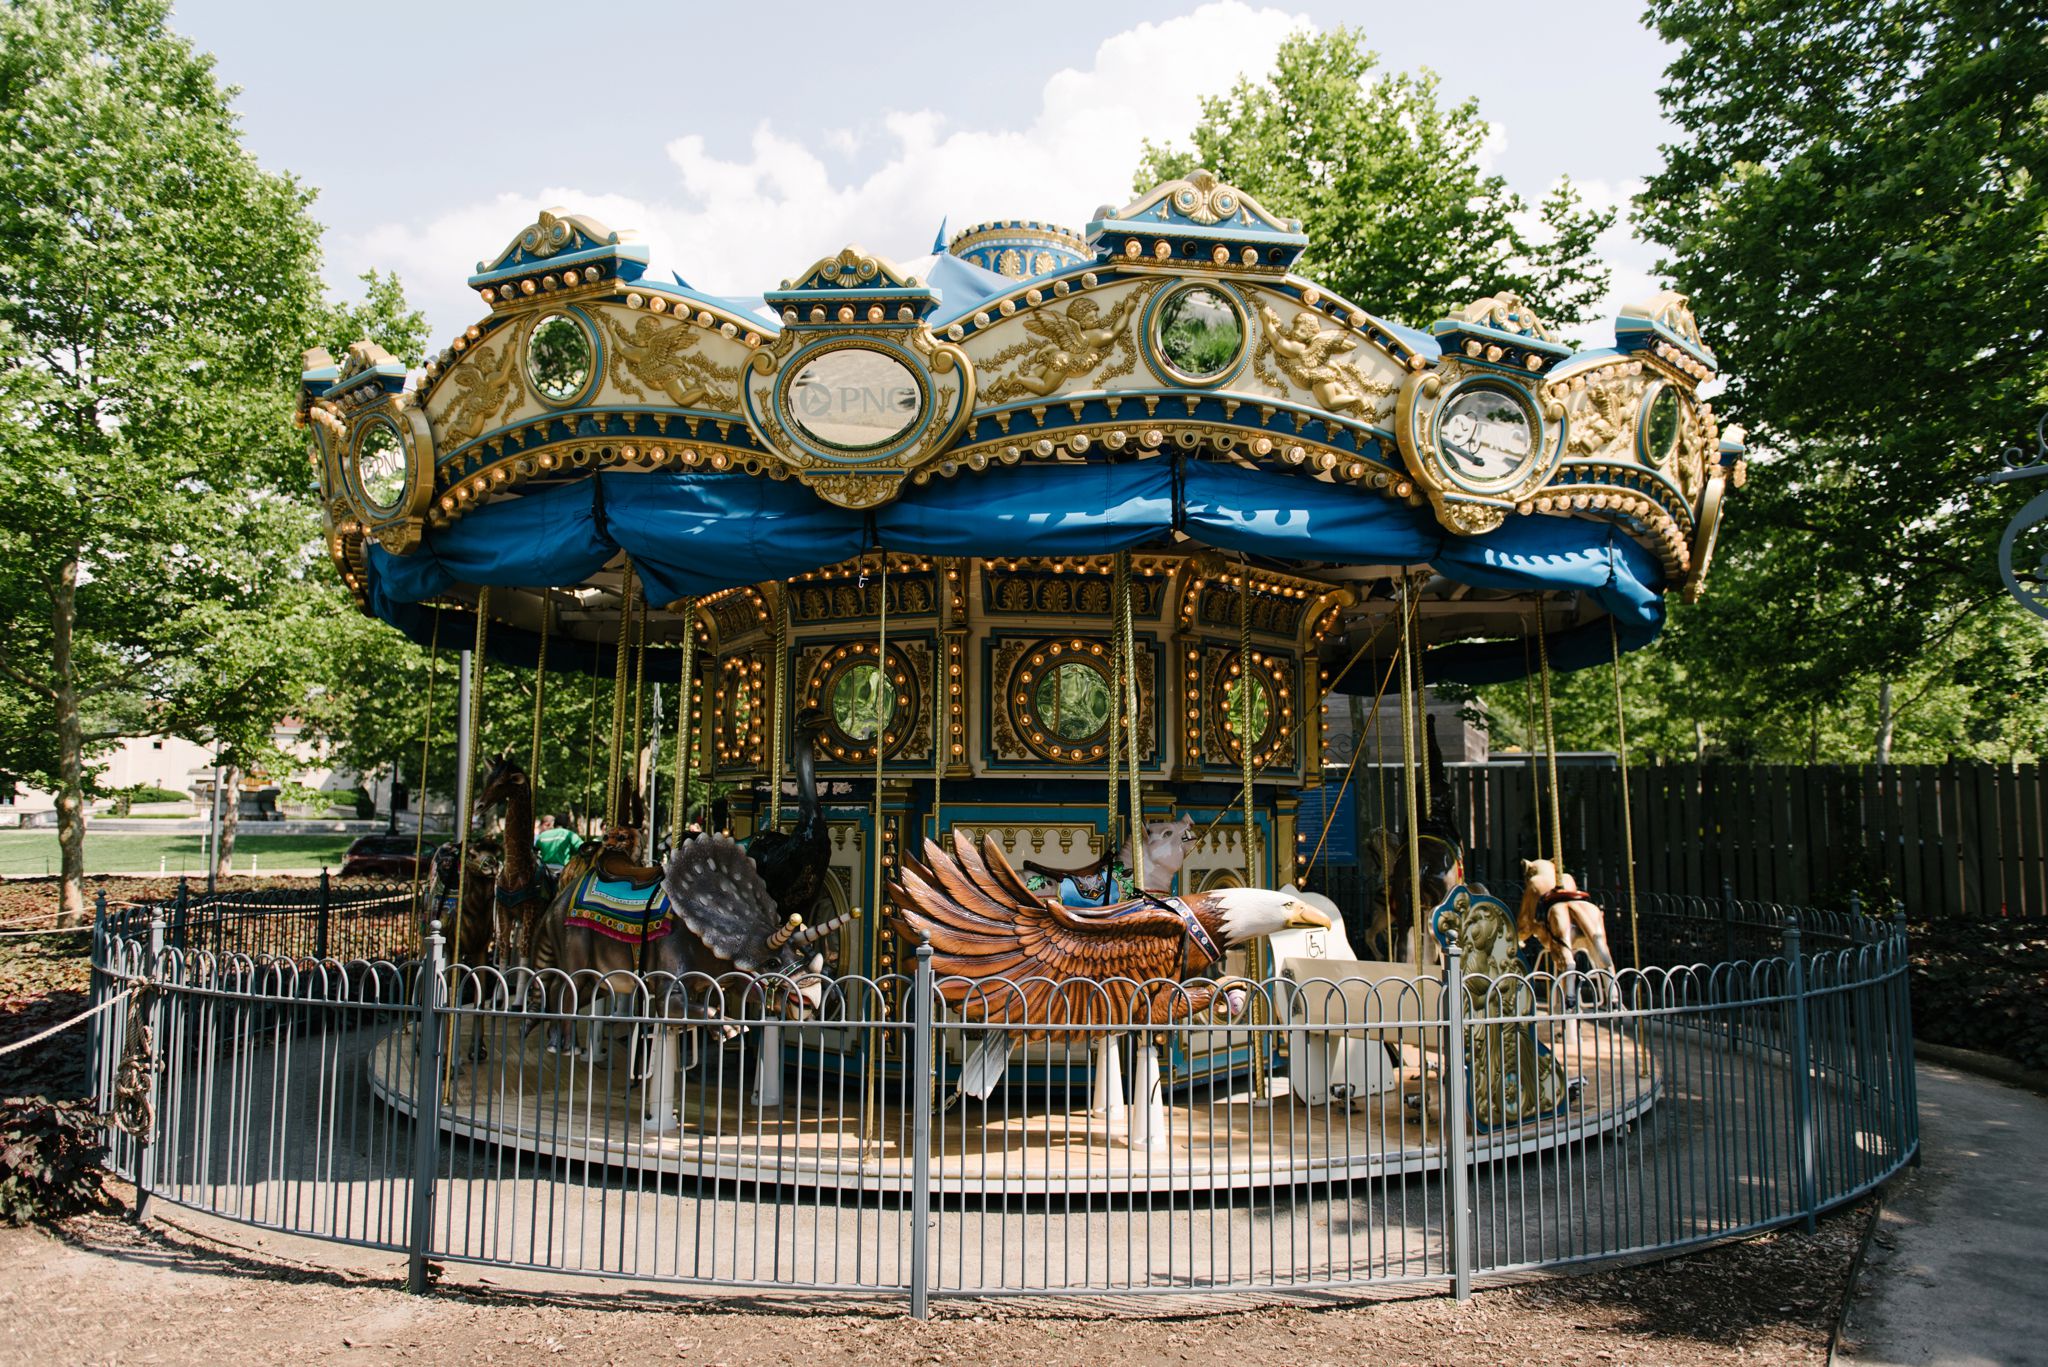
[[1003, 590]]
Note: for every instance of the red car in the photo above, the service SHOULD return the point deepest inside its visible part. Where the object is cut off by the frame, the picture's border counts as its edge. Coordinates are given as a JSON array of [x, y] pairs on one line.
[[386, 856]]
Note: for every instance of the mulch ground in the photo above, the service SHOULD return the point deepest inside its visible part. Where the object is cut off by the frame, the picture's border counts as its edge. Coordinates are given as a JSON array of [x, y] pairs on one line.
[[190, 1289]]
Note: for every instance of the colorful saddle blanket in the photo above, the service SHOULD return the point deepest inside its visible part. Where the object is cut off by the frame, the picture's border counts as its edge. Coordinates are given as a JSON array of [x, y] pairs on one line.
[[1085, 889], [619, 910]]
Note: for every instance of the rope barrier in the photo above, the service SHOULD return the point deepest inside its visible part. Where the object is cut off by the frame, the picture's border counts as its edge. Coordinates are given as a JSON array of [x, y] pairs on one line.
[[46, 930], [62, 1026]]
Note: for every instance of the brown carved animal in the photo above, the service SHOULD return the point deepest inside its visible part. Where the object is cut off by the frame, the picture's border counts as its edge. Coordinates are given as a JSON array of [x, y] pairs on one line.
[[523, 887], [468, 934], [1003, 953]]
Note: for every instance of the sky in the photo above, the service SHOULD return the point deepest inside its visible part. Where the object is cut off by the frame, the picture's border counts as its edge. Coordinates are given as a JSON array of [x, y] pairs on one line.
[[744, 141]]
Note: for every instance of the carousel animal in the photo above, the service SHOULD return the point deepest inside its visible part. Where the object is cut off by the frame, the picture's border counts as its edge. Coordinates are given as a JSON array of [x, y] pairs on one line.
[[1166, 849], [469, 933], [794, 863], [709, 914], [1005, 954], [1559, 917], [524, 885]]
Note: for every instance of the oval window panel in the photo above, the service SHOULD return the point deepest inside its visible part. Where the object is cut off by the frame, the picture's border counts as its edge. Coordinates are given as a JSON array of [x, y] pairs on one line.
[[855, 399], [1661, 424], [1200, 332], [1487, 436], [558, 358], [380, 465]]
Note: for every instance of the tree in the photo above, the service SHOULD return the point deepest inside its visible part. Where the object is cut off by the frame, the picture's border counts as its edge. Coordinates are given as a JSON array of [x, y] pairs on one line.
[[156, 287], [1388, 184], [1860, 215]]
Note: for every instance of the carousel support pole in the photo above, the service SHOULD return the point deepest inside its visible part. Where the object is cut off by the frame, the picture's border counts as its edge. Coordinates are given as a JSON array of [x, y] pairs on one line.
[[922, 992], [465, 741], [686, 735], [1458, 1143], [665, 1066], [426, 1152], [768, 1071], [1148, 1102], [1107, 1094], [1408, 769]]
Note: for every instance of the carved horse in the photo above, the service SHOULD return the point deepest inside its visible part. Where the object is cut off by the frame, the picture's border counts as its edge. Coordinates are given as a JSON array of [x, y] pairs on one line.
[[524, 886]]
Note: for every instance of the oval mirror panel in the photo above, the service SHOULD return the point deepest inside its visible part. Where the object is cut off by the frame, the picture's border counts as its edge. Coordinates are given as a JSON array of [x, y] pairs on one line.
[[1200, 332], [558, 358], [855, 399], [380, 465], [1660, 425], [1486, 435]]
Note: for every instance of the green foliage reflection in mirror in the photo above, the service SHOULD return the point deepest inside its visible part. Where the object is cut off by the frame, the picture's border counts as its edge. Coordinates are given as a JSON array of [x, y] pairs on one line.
[[1233, 708], [558, 358], [1200, 332], [1073, 701], [863, 702]]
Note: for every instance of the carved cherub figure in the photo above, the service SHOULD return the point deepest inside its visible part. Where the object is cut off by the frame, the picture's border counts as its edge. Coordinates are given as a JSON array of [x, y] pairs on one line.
[[482, 385], [1070, 344], [657, 356], [1307, 353]]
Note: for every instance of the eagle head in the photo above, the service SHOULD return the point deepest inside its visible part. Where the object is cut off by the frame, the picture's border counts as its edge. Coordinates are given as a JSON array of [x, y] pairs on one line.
[[1247, 914]]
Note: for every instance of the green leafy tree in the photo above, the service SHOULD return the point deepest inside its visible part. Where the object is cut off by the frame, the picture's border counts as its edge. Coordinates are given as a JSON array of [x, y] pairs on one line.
[[1387, 181], [1858, 209], [156, 287]]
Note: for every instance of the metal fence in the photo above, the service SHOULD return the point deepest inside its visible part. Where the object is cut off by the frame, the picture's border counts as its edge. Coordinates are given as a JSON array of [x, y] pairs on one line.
[[333, 919], [1369, 1128]]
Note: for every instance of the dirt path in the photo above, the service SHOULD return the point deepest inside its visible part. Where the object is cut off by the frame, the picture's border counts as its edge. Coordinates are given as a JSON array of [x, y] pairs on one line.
[[192, 1289]]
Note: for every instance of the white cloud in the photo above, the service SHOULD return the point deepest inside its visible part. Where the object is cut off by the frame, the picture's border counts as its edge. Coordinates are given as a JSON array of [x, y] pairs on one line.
[[740, 226]]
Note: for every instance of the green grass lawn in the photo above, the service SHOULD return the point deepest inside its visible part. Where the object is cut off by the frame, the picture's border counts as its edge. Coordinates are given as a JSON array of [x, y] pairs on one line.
[[35, 852]]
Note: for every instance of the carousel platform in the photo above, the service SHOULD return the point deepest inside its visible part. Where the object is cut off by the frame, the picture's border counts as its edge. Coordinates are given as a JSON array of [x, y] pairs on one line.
[[1044, 1141]]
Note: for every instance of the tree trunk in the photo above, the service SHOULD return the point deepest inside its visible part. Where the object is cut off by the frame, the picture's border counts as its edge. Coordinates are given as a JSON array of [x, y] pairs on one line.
[[70, 747], [230, 800], [1887, 722]]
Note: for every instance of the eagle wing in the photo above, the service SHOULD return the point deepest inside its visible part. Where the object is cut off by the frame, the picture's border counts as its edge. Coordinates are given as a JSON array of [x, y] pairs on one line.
[[1003, 953]]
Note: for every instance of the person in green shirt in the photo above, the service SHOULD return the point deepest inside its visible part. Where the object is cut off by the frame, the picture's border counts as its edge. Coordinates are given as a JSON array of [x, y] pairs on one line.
[[555, 842]]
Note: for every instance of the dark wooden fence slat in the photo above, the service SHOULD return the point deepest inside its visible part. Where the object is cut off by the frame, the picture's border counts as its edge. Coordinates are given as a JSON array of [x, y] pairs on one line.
[[2011, 899]]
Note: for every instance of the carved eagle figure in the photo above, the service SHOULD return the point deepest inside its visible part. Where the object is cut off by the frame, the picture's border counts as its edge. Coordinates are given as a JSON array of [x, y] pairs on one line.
[[1002, 953]]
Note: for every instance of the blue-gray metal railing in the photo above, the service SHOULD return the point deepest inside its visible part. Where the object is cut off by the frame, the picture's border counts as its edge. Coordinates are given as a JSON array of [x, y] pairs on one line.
[[696, 1131]]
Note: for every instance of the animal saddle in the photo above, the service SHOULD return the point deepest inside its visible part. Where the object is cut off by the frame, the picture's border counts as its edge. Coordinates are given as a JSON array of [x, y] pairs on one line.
[[1093, 886], [618, 909]]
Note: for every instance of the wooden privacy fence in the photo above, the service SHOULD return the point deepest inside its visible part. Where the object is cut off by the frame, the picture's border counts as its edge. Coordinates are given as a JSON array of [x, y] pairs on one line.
[[1965, 840]]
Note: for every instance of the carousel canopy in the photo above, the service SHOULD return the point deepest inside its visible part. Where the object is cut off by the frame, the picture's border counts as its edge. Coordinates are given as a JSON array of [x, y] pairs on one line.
[[1163, 380]]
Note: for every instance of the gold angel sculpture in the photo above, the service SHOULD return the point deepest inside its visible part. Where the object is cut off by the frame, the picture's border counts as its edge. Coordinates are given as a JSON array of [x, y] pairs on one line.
[[1307, 353], [1065, 346], [660, 357]]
